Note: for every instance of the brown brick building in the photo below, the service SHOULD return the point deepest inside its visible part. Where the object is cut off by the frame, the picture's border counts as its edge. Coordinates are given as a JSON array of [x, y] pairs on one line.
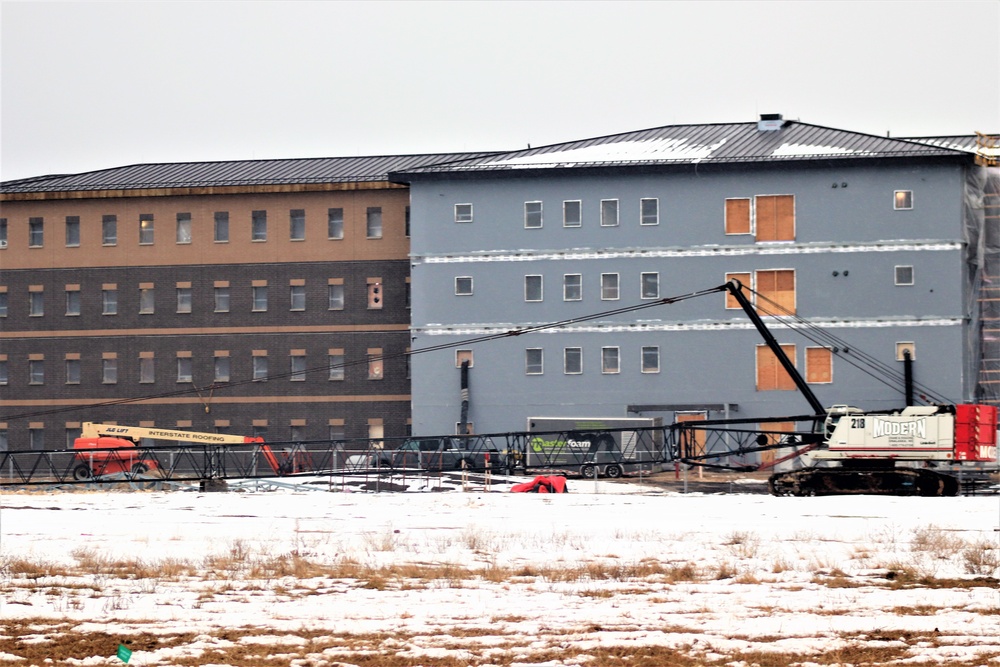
[[258, 297]]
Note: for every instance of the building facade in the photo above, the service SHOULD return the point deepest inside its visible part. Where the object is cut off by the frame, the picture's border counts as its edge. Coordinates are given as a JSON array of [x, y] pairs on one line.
[[866, 246], [256, 298]]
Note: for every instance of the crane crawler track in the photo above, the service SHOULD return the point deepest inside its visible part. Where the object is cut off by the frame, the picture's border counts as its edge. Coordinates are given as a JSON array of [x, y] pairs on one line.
[[847, 481]]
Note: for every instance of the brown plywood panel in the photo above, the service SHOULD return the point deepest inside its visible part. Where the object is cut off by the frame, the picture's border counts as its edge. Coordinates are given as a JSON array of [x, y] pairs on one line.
[[737, 216], [819, 365]]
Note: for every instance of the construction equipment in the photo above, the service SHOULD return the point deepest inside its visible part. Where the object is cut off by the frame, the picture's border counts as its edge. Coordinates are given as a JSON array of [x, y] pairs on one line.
[[106, 449], [886, 453]]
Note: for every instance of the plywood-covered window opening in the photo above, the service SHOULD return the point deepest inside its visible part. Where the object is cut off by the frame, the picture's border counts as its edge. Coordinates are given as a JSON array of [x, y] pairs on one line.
[[819, 365], [768, 217], [771, 375]]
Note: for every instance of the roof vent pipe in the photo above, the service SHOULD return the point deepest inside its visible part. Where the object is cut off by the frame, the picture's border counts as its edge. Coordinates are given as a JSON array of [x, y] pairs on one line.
[[769, 122]]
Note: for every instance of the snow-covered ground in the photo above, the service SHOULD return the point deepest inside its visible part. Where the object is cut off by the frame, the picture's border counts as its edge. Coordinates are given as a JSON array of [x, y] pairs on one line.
[[609, 574]]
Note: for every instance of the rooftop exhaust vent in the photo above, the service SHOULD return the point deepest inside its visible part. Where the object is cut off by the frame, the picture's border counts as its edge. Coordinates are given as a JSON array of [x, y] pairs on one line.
[[769, 122]]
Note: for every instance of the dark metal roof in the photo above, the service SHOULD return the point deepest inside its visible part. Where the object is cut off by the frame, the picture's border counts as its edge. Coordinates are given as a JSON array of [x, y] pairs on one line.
[[696, 144], [958, 142], [234, 173]]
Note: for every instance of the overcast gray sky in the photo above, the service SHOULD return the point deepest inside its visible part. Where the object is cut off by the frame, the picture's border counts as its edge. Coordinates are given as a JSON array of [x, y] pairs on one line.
[[89, 85]]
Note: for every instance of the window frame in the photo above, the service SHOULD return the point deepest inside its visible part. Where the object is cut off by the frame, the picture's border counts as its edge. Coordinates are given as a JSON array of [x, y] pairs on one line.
[[373, 223], [36, 232], [222, 368], [258, 226], [642, 211], [458, 290], [147, 300], [532, 214], [896, 272], [606, 369], [297, 224], [733, 227], [185, 370], [335, 223], [258, 301], [297, 293], [617, 287], [529, 364], [335, 292], [605, 218], [221, 294], [109, 370], [36, 372], [185, 300], [184, 229], [541, 288], [463, 216], [220, 227], [810, 371], [571, 282], [258, 367], [74, 301], [36, 303], [147, 229], [109, 301], [644, 350], [72, 231], [907, 200], [336, 367], [567, 222], [577, 352], [642, 285], [297, 368], [109, 230], [74, 370]]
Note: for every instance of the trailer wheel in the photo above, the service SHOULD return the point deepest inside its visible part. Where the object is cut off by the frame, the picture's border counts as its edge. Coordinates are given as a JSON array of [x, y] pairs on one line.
[[614, 471], [81, 472], [587, 471]]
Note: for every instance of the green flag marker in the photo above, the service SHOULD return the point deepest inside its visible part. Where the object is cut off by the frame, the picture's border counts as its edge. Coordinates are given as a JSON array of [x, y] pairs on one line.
[[124, 653]]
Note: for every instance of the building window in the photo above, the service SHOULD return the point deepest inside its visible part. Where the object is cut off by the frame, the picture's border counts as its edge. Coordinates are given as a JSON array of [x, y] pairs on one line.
[[221, 367], [533, 361], [532, 214], [72, 231], [3, 303], [36, 371], [335, 363], [609, 287], [260, 430], [463, 286], [335, 431], [572, 360], [147, 370], [3, 370], [650, 285], [572, 213], [184, 369], [3, 233], [463, 212], [904, 275], [36, 303], [259, 366], [774, 217], [72, 371], [738, 214], [298, 297], [375, 364], [222, 299], [109, 370], [183, 228], [775, 292], [258, 226], [335, 223], [572, 287], [375, 295], [146, 229], [109, 230], [745, 279], [259, 298], [297, 224], [373, 222], [902, 200], [36, 438], [407, 292], [36, 232], [109, 301], [532, 288], [610, 362], [649, 211], [183, 299], [72, 302], [72, 433], [406, 222], [147, 300], [298, 367], [609, 213], [221, 228], [771, 375], [819, 365], [651, 359], [335, 296]]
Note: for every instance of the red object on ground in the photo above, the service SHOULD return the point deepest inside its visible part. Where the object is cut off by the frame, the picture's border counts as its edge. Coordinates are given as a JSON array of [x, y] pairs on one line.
[[542, 484]]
